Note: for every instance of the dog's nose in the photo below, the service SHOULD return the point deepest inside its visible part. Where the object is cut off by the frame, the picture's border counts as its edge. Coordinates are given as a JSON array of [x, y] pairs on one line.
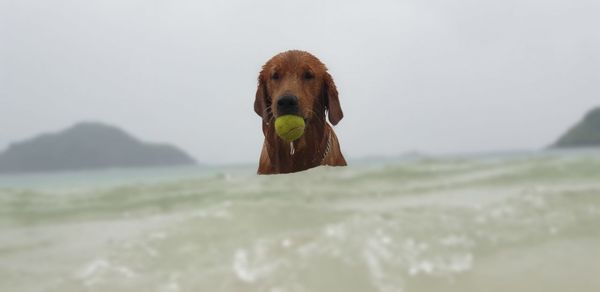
[[287, 105]]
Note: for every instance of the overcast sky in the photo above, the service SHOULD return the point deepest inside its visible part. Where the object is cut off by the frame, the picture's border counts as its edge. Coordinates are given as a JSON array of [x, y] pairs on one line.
[[433, 76]]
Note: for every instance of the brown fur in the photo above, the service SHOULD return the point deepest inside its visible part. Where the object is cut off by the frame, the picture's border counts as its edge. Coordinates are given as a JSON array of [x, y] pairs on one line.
[[303, 75]]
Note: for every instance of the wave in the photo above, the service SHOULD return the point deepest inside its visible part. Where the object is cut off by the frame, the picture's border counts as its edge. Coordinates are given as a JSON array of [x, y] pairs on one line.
[[420, 225]]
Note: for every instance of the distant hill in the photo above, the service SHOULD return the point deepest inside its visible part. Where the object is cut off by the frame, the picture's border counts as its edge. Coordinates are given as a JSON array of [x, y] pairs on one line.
[[586, 133], [88, 145]]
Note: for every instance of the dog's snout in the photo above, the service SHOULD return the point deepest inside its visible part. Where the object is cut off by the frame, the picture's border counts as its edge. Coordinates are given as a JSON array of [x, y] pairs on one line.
[[287, 105]]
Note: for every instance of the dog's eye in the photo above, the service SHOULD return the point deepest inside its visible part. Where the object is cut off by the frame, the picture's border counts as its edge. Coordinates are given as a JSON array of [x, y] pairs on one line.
[[309, 75], [275, 76]]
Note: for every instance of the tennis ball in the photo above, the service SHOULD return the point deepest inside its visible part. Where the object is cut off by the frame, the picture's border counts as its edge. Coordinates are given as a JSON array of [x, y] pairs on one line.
[[289, 127]]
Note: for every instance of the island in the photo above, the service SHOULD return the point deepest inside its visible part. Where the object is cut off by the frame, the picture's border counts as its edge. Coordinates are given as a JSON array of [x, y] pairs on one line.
[[86, 146], [586, 133]]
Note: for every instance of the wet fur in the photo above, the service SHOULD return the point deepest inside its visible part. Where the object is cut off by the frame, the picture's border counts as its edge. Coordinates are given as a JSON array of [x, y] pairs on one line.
[[317, 98]]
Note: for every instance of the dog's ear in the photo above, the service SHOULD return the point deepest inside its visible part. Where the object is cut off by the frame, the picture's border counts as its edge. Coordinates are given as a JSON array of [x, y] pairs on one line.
[[260, 101], [332, 102]]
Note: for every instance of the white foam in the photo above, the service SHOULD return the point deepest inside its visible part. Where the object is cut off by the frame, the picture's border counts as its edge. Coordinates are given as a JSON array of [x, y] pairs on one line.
[[241, 266], [95, 271]]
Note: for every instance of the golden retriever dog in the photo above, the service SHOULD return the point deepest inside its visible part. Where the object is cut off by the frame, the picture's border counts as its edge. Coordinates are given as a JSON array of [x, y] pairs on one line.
[[297, 83]]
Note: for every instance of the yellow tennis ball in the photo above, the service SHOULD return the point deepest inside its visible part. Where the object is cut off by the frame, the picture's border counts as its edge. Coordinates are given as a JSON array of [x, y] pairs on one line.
[[289, 127]]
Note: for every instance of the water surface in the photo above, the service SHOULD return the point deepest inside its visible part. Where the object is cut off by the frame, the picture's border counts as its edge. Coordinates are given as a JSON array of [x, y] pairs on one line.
[[485, 223]]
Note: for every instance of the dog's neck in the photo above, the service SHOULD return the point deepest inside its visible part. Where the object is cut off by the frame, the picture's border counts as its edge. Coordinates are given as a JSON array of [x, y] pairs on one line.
[[309, 151]]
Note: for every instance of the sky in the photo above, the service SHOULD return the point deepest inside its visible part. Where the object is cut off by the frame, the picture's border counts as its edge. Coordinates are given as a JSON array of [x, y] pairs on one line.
[[433, 76]]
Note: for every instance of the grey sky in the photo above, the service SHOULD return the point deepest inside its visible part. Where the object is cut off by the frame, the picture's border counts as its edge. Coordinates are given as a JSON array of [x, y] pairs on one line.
[[434, 76]]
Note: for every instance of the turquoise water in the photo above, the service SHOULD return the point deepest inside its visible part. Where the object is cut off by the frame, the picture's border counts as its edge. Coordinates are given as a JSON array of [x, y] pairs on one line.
[[528, 222]]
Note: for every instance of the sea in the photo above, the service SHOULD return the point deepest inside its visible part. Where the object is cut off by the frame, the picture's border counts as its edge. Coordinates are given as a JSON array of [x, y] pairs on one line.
[[521, 221]]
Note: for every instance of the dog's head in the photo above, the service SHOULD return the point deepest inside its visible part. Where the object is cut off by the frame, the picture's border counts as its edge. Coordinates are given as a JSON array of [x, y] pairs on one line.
[[297, 83]]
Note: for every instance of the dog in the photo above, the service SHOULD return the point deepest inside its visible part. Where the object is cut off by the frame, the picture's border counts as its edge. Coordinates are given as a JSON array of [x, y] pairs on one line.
[[297, 83]]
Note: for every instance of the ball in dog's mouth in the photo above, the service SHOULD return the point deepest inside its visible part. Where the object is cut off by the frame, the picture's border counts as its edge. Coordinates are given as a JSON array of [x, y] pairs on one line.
[[289, 127]]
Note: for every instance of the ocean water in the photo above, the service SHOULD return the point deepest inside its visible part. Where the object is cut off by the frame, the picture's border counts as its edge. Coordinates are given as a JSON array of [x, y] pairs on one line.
[[523, 222]]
